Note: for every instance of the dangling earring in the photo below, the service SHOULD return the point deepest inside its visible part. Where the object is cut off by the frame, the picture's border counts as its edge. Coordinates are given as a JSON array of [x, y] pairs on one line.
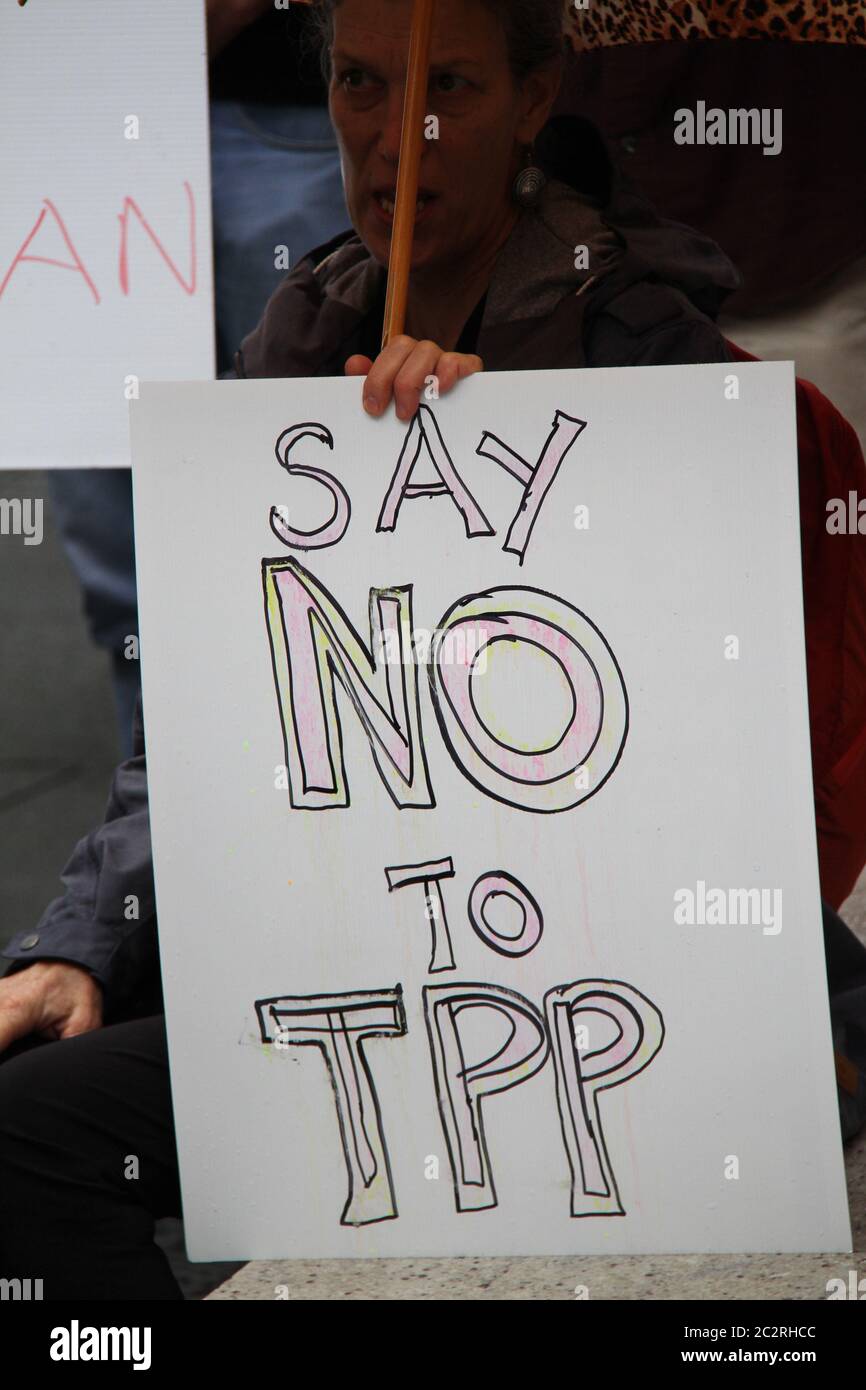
[[528, 184]]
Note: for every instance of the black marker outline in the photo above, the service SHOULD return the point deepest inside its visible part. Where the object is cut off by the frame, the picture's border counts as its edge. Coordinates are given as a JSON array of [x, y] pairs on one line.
[[418, 432], [293, 435], [357, 1001], [440, 950], [489, 620], [457, 996], [482, 927], [554, 999], [339, 673], [522, 471]]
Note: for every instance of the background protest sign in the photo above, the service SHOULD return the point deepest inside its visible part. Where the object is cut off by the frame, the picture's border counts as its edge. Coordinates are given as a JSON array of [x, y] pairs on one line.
[[481, 810], [105, 238]]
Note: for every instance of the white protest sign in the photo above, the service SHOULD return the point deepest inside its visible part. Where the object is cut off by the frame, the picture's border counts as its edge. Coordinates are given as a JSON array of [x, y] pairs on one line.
[[481, 810], [105, 225]]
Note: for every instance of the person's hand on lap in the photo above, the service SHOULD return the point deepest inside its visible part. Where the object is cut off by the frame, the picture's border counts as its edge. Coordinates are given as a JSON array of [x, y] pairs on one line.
[[50, 998]]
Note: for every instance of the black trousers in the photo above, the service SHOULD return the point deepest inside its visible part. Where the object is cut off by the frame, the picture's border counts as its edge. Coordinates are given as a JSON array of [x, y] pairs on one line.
[[88, 1163], [87, 1148]]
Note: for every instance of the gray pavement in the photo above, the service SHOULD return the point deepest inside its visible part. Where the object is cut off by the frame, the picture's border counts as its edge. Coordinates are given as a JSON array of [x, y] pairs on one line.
[[58, 747], [713, 1278]]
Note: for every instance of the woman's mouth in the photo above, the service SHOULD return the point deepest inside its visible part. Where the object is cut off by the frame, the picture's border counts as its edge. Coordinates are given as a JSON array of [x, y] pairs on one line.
[[384, 205]]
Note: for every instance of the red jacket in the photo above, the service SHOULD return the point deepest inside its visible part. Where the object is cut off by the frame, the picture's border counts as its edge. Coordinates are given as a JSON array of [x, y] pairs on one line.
[[831, 466]]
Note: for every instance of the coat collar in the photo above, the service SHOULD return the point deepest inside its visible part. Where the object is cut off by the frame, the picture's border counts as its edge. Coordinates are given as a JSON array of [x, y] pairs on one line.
[[312, 322]]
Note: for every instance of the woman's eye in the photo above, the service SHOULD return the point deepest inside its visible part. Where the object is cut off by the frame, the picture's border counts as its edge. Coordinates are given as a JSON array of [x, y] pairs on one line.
[[352, 79], [448, 82]]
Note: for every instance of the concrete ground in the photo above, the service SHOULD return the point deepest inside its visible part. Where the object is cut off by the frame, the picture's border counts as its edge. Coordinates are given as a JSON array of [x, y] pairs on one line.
[[58, 747], [714, 1278]]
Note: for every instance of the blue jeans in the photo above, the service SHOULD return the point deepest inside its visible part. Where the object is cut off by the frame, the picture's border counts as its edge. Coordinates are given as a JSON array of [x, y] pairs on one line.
[[93, 513], [276, 183], [276, 180]]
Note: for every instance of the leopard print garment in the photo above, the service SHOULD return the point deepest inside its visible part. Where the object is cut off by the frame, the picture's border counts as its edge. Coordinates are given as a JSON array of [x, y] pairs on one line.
[[608, 22]]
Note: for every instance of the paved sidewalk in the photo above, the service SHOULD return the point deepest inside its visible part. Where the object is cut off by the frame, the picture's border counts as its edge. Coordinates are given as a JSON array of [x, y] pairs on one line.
[[713, 1278]]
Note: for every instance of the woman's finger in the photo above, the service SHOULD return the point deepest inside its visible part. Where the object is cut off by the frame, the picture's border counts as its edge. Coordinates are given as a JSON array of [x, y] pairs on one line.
[[469, 364], [426, 363], [404, 368], [421, 364], [357, 365], [454, 366], [380, 379]]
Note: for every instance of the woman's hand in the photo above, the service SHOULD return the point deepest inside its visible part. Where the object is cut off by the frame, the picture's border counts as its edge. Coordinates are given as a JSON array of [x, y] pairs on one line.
[[402, 369], [50, 998]]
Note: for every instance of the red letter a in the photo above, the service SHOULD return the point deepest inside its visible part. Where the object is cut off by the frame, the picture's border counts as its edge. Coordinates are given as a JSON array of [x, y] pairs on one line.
[[21, 255]]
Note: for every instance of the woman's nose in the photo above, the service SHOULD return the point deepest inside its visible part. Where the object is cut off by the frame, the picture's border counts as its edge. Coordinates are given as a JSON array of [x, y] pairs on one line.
[[392, 123]]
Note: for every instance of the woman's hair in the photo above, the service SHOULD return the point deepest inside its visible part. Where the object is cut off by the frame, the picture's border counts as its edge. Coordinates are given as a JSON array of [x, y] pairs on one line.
[[534, 31]]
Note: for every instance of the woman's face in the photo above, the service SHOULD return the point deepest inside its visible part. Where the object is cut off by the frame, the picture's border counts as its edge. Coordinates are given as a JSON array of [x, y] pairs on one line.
[[484, 120]]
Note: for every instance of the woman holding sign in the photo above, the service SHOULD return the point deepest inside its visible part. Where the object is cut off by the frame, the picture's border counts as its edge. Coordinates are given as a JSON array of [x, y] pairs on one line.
[[517, 260], [526, 254]]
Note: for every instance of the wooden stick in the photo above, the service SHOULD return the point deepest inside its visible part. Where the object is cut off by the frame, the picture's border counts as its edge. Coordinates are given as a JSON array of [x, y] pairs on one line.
[[411, 136]]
